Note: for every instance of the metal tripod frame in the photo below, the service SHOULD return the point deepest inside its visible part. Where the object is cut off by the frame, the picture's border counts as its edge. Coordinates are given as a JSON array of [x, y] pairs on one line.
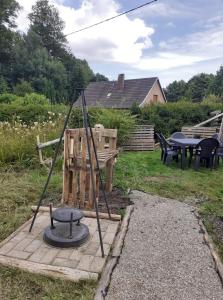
[[86, 126]]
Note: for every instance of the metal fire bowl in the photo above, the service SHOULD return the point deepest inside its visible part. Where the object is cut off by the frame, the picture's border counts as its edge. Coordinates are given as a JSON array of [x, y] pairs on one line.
[[59, 235]]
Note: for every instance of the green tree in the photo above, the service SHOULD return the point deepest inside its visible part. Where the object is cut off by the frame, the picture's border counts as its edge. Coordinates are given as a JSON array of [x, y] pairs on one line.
[[176, 90], [46, 22], [216, 86], [23, 88], [99, 77], [32, 63], [198, 86], [3, 85], [8, 12]]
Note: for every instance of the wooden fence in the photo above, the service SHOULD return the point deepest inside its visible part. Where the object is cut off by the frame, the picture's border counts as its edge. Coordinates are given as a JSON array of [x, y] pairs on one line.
[[199, 132], [141, 139]]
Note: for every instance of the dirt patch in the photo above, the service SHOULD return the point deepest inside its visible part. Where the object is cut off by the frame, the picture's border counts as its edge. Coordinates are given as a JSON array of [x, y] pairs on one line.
[[117, 201]]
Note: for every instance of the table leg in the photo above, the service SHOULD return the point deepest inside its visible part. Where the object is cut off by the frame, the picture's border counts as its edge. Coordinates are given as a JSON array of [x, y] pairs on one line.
[[183, 157]]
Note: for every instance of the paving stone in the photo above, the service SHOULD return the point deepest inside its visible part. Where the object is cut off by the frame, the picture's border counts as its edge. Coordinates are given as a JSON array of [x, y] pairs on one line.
[[33, 246], [18, 237], [62, 262], [85, 246], [49, 256], [107, 248], [104, 225], [38, 254], [97, 264], [7, 247], [23, 244], [65, 253], [76, 255], [112, 227], [92, 230], [19, 254], [92, 248], [95, 237], [109, 237], [85, 263], [35, 231], [86, 221]]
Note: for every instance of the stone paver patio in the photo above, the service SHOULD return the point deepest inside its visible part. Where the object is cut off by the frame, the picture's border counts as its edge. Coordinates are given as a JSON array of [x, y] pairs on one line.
[[29, 252]]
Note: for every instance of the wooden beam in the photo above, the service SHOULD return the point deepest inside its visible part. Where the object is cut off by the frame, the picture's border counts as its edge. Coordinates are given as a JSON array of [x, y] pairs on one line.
[[87, 214], [48, 270], [209, 120], [49, 143]]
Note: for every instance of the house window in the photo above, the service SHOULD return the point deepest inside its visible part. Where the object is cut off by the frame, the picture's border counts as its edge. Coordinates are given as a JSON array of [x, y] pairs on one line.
[[155, 98]]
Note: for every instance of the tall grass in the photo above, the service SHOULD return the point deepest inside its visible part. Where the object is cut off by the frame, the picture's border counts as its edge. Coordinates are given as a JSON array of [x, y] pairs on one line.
[[18, 140]]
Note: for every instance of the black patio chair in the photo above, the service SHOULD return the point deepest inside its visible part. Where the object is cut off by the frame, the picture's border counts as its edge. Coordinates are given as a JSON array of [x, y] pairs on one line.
[[169, 152], [219, 151], [205, 151], [178, 135], [161, 145]]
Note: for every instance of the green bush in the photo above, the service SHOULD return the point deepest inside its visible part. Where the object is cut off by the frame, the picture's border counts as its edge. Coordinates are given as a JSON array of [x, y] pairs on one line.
[[171, 117], [7, 98], [109, 118], [23, 88], [31, 108]]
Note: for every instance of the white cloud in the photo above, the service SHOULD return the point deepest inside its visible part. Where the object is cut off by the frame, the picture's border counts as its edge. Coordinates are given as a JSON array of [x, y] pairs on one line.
[[205, 44], [122, 40], [167, 60]]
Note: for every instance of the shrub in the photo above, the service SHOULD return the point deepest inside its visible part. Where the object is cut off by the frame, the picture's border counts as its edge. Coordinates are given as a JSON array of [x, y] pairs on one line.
[[18, 141], [7, 98], [171, 117], [109, 118], [23, 88], [36, 99]]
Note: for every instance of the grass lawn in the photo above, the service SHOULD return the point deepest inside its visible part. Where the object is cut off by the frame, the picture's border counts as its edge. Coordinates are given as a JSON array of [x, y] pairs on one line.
[[144, 171], [139, 170], [20, 190]]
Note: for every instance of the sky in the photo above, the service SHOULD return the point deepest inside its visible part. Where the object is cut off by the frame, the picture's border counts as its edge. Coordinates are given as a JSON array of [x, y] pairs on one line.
[[170, 39]]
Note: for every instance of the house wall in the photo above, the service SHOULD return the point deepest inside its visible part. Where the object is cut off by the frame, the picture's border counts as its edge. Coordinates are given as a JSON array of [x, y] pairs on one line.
[[154, 96]]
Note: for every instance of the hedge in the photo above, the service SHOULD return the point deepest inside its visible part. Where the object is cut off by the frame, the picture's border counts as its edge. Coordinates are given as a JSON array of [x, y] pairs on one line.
[[171, 117]]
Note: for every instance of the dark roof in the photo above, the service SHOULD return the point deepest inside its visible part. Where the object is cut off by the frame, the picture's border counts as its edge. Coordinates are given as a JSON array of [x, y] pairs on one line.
[[105, 93]]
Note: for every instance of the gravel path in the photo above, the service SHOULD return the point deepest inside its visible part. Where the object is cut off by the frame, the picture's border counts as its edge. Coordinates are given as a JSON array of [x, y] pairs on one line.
[[164, 256]]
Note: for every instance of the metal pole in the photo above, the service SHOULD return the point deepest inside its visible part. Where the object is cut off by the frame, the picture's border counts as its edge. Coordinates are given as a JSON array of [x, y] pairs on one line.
[[96, 157], [52, 166], [91, 170]]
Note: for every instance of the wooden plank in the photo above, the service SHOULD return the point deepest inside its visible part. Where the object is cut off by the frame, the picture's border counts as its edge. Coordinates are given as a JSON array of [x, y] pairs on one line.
[[48, 270], [87, 214], [209, 120]]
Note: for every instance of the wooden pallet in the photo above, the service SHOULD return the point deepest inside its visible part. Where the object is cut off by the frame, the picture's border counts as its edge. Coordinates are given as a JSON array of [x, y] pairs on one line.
[[199, 132], [141, 139], [77, 182]]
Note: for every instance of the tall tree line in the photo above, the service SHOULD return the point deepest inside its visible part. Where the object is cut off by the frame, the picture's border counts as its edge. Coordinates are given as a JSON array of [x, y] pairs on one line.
[[40, 59], [198, 88]]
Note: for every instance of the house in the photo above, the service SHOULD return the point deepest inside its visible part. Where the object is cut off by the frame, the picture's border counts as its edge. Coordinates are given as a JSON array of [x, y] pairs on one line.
[[122, 94]]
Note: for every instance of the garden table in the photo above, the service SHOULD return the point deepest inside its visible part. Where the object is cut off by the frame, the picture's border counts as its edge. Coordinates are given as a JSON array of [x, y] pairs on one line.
[[183, 144]]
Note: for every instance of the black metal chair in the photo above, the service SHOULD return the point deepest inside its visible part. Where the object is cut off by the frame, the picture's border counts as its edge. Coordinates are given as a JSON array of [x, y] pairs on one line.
[[161, 145], [205, 151], [219, 151], [178, 135], [169, 152]]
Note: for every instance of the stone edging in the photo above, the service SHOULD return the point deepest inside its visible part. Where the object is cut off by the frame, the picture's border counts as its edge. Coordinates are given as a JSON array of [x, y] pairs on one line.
[[104, 281], [208, 240]]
